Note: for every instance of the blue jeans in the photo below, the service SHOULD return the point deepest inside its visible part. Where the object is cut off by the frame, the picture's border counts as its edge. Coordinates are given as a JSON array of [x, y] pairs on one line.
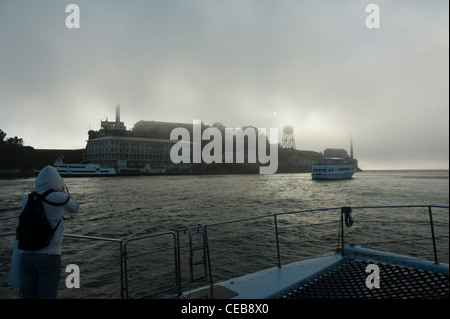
[[40, 274]]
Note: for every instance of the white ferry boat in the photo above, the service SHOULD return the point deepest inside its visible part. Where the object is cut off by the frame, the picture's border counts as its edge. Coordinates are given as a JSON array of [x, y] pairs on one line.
[[81, 170], [333, 168]]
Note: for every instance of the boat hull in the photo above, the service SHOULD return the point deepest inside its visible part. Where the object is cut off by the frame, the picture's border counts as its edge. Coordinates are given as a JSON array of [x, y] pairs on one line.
[[332, 176], [87, 174]]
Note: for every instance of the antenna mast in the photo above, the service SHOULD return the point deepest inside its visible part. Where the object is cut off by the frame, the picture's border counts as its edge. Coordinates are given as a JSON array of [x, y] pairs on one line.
[[351, 146]]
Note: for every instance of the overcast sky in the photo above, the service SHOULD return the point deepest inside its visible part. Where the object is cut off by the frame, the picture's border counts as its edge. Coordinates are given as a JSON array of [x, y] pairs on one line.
[[267, 63]]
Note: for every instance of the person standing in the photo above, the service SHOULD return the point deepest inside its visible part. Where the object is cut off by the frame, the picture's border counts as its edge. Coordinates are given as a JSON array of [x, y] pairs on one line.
[[40, 270]]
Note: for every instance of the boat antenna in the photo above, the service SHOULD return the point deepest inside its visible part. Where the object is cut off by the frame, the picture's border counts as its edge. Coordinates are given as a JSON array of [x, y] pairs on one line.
[[351, 146]]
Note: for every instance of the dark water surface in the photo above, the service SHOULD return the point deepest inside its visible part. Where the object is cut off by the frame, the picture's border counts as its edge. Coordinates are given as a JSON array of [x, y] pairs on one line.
[[124, 207]]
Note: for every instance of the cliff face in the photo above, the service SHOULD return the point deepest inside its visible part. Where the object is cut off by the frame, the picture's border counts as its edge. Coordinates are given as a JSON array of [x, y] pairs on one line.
[[26, 158], [16, 156]]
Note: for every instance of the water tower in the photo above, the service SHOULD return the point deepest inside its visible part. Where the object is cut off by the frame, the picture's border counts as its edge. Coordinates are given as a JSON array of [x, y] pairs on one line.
[[288, 141]]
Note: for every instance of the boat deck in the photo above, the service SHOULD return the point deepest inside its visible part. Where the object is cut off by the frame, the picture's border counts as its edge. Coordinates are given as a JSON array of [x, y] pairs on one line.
[[396, 282], [334, 276]]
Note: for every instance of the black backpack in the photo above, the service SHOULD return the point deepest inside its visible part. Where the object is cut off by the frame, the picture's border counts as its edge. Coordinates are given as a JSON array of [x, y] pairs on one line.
[[34, 231]]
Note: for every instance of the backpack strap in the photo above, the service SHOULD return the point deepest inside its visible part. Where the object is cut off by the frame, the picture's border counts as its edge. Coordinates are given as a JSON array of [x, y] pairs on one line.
[[54, 229], [43, 198], [46, 193]]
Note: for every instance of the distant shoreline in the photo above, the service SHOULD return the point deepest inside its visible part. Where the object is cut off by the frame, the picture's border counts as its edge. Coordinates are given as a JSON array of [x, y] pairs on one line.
[[30, 173]]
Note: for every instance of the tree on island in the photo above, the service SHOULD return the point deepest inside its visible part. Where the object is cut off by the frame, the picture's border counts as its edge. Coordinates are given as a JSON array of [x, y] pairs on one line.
[[13, 154], [10, 141], [2, 136]]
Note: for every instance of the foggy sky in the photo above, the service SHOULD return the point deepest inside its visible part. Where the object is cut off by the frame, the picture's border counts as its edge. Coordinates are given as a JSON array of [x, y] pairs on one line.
[[267, 63]]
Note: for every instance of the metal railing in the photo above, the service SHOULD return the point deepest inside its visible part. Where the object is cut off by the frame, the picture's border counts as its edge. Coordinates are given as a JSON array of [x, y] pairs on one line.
[[155, 264], [147, 253], [346, 213], [100, 263], [118, 260]]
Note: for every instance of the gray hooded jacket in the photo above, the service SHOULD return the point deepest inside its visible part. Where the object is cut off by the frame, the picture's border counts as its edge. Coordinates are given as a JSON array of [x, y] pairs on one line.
[[49, 178]]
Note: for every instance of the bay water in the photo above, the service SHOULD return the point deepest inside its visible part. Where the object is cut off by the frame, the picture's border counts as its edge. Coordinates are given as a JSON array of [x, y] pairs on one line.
[[126, 207]]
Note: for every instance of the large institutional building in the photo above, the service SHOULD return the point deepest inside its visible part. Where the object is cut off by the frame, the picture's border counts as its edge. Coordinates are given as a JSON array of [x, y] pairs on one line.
[[161, 129], [116, 147], [132, 152], [147, 147]]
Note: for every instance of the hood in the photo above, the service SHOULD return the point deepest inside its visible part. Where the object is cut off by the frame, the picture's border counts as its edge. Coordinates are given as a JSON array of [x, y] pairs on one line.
[[49, 178]]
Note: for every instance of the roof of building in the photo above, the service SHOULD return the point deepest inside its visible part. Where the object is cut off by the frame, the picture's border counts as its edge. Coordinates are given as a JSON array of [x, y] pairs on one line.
[[132, 139]]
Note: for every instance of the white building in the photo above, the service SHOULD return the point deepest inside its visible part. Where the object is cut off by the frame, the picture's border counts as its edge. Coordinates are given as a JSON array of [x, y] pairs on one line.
[[135, 152]]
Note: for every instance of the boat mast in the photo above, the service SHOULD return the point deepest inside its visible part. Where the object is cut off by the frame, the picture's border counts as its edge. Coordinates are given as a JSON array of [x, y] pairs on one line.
[[351, 146]]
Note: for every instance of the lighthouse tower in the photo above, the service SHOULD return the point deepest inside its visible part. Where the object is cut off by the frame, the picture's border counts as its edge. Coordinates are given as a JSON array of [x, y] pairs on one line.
[[117, 125]]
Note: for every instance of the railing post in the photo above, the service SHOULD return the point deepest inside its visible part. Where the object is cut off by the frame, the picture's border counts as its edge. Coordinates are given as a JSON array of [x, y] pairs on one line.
[[178, 276], [122, 274], [432, 235], [211, 285], [177, 263], [343, 209], [125, 268], [278, 243]]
